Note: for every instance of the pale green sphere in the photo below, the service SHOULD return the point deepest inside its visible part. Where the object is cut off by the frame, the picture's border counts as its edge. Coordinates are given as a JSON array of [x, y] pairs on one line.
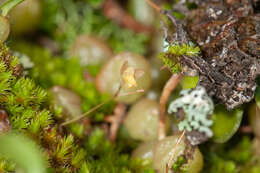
[[4, 29], [109, 78], [163, 152], [142, 120]]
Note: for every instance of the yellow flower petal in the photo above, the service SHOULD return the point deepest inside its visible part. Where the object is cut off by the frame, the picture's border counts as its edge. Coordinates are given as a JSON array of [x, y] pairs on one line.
[[128, 77]]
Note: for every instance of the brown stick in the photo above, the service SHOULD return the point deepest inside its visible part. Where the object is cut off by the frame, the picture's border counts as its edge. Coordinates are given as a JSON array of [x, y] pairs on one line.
[[167, 90], [113, 11], [115, 120]]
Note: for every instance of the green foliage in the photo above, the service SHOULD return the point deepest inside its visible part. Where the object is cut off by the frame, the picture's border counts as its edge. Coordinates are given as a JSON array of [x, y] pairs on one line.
[[67, 73], [65, 19], [242, 152], [224, 131], [98, 154], [6, 165], [179, 165], [170, 62], [189, 82], [108, 157], [171, 58], [95, 3], [185, 49], [25, 101], [232, 157], [14, 145]]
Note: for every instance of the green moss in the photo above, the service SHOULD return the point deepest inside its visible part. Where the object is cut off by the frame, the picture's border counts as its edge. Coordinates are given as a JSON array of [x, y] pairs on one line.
[[171, 58], [65, 19], [234, 156], [28, 107], [178, 166], [67, 73], [24, 102]]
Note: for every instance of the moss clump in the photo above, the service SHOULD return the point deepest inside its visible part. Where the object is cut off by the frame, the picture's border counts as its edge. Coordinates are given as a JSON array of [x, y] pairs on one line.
[[171, 56], [24, 102], [67, 73], [28, 108], [65, 19], [178, 165]]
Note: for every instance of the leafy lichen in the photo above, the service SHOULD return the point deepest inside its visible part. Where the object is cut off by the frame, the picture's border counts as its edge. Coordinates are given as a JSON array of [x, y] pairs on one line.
[[197, 107]]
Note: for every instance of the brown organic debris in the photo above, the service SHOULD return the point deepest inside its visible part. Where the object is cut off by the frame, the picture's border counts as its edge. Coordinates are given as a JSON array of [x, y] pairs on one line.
[[6, 57], [227, 32]]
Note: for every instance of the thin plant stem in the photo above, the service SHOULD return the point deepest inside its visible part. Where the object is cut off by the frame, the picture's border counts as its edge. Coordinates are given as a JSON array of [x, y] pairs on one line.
[[167, 90], [116, 95], [92, 109], [174, 151]]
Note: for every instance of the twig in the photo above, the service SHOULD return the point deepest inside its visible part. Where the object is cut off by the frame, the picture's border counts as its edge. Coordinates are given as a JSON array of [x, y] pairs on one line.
[[167, 90], [113, 11], [115, 120], [174, 150], [88, 77], [246, 129]]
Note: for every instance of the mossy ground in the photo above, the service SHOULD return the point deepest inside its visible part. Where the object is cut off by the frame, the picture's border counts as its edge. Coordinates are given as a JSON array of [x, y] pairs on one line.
[[24, 94]]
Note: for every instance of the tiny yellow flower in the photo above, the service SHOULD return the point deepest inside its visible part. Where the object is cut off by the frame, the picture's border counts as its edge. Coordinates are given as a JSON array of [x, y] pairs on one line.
[[130, 75]]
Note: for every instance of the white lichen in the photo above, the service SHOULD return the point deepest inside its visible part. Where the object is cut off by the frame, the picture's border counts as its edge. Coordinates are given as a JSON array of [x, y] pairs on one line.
[[197, 106]]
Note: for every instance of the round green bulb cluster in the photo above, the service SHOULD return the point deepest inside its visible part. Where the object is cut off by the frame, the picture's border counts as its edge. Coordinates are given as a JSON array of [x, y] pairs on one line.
[[90, 50], [158, 154], [67, 101], [25, 17], [142, 120], [4, 29]]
